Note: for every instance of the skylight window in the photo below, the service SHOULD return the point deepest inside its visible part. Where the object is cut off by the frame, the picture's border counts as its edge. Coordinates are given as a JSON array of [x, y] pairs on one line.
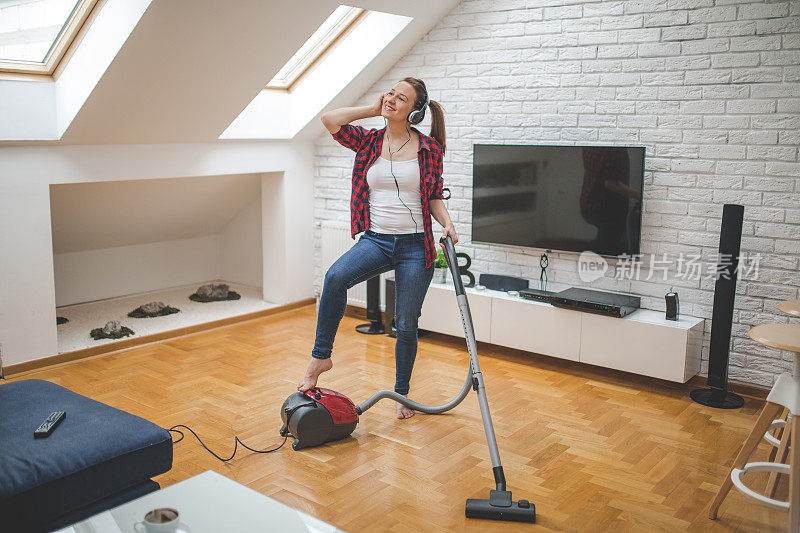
[[342, 19], [34, 34]]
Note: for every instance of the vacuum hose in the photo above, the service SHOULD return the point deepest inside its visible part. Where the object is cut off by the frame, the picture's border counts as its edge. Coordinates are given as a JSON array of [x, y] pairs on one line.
[[450, 254], [411, 404]]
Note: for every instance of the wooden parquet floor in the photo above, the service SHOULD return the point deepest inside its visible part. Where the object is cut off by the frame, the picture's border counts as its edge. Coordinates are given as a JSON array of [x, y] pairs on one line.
[[594, 449]]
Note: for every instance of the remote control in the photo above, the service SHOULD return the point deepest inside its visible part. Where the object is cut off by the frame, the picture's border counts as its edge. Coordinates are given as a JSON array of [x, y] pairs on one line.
[[50, 424]]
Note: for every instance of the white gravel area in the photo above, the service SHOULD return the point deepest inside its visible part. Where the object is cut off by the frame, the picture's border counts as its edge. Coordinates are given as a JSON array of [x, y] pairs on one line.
[[74, 335]]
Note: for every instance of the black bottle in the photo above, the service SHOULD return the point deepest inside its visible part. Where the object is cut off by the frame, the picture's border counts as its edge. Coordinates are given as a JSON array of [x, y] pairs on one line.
[[672, 305]]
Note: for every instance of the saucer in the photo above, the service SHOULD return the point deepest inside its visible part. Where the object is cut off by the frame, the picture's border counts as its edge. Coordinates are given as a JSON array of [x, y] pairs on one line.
[[182, 528]]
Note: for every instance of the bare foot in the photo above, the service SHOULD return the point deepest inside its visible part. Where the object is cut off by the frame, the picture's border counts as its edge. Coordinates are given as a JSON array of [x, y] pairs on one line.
[[404, 412], [315, 368]]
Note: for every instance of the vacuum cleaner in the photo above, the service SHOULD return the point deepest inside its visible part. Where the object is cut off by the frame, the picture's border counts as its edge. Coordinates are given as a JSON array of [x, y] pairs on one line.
[[321, 415]]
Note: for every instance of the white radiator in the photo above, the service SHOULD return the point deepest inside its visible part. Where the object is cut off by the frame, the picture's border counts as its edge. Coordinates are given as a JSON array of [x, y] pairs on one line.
[[336, 240]]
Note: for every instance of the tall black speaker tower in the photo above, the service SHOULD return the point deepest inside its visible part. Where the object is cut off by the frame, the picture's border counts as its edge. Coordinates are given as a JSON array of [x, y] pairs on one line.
[[730, 240], [375, 325]]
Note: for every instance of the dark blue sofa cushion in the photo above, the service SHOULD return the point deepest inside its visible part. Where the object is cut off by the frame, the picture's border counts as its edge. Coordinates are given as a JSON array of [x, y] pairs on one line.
[[97, 451], [98, 507]]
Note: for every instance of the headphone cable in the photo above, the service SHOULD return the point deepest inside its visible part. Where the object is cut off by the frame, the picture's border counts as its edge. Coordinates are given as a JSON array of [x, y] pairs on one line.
[[391, 170]]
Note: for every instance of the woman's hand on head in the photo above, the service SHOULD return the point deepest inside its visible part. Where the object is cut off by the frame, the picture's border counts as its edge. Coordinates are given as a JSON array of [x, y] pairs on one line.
[[377, 107], [451, 231]]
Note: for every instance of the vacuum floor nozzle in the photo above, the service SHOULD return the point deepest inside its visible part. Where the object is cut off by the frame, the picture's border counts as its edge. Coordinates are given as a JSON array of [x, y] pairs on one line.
[[500, 506]]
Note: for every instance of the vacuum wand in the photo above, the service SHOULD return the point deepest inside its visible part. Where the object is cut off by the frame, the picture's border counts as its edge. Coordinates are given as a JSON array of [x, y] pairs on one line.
[[499, 505], [320, 415]]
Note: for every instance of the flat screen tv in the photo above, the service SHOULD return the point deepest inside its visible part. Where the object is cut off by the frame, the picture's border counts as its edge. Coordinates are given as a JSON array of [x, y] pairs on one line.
[[569, 198]]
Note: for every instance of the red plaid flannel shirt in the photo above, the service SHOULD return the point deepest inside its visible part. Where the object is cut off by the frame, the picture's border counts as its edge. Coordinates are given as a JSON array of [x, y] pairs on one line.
[[367, 145]]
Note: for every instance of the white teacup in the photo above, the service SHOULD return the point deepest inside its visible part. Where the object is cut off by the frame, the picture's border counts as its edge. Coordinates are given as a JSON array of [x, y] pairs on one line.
[[161, 520]]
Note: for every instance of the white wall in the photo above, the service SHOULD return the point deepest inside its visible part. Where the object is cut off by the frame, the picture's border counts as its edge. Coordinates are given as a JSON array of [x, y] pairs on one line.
[[240, 256], [27, 308], [711, 89], [112, 272], [114, 238], [27, 108], [273, 242], [288, 238], [233, 255]]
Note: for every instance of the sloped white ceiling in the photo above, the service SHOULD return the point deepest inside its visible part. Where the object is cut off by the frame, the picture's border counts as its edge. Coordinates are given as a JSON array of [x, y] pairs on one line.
[[190, 67], [91, 216], [183, 71], [278, 114]]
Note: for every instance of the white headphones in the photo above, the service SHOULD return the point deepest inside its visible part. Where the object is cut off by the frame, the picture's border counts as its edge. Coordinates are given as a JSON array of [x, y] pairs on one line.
[[417, 116]]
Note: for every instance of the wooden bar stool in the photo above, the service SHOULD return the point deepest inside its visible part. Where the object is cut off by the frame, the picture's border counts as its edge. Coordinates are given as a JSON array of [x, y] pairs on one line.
[[780, 452], [785, 393], [782, 438], [790, 307]]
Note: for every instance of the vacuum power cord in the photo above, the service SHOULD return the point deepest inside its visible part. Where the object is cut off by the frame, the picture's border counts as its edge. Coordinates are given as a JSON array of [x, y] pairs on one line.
[[236, 443]]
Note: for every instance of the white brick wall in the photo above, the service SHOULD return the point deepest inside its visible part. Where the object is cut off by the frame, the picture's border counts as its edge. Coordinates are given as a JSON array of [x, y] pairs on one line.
[[711, 88]]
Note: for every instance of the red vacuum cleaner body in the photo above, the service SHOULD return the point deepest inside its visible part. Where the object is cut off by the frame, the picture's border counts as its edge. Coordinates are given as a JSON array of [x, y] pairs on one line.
[[317, 416]]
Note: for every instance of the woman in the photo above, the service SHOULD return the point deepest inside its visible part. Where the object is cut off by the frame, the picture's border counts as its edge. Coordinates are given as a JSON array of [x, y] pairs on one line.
[[397, 186]]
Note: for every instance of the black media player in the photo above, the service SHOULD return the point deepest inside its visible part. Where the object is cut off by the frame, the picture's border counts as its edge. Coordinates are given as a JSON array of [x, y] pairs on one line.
[[536, 295], [602, 303]]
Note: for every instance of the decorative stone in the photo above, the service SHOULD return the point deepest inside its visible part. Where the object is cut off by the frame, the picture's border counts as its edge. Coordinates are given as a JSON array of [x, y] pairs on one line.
[[153, 309], [61, 320], [112, 330], [214, 292]]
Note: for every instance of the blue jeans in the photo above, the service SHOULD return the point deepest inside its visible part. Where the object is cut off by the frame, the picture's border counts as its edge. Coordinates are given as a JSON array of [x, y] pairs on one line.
[[373, 254]]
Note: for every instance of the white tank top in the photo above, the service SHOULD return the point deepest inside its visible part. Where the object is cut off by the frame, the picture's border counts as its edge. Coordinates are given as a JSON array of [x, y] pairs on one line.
[[387, 214]]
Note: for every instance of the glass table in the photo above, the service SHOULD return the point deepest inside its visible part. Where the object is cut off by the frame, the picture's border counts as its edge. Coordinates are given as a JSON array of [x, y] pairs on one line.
[[208, 502]]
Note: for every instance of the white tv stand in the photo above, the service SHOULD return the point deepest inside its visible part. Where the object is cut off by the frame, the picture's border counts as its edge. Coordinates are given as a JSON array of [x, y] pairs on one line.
[[643, 342]]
